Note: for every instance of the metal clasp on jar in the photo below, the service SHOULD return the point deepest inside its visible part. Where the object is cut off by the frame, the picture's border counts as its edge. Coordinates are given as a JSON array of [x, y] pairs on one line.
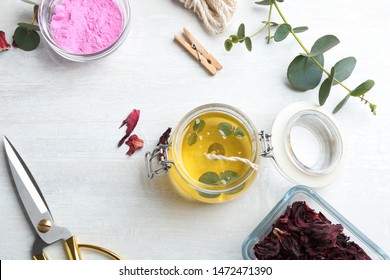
[[157, 162], [266, 144]]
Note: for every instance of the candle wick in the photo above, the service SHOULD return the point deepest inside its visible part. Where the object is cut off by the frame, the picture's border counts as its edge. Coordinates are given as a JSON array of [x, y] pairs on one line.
[[213, 156]]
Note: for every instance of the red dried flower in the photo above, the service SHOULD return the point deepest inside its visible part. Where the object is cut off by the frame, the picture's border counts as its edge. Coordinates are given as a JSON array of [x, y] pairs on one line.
[[164, 138], [131, 122], [4, 46], [302, 233], [134, 143]]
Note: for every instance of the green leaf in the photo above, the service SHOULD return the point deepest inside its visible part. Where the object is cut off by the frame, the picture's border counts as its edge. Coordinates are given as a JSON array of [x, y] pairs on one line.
[[209, 178], [234, 39], [239, 132], [30, 2], [282, 32], [198, 125], [373, 109], [26, 39], [217, 149], [341, 104], [192, 138], [241, 31], [303, 74], [325, 88], [363, 88], [264, 2], [228, 177], [29, 26], [236, 190], [272, 23], [300, 29], [225, 129], [228, 45], [208, 195], [248, 43], [344, 69], [322, 45]]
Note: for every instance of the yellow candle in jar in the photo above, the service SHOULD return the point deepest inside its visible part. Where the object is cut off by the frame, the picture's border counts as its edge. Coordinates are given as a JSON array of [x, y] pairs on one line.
[[198, 177]]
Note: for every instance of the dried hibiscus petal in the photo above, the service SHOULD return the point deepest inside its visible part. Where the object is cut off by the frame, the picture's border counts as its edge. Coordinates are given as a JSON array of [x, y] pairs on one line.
[[134, 143], [164, 138], [302, 233], [4, 46], [131, 122]]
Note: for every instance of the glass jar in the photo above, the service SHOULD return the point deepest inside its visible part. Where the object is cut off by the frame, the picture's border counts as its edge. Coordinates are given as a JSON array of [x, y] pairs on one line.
[[216, 150]]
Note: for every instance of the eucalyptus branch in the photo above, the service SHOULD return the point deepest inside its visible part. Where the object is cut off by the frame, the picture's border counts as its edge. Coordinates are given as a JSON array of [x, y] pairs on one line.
[[306, 70]]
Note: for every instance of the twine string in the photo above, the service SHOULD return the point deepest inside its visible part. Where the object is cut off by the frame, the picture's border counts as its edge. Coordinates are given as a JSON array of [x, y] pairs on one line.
[[216, 14]]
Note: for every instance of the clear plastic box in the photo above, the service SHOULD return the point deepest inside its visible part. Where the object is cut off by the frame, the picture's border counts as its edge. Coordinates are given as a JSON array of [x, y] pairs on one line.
[[314, 201]]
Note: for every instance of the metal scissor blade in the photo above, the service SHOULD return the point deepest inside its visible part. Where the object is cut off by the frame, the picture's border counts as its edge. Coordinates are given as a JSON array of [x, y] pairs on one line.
[[27, 188], [32, 198]]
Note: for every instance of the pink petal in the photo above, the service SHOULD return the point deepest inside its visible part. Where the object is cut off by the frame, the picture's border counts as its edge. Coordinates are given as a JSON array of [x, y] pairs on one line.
[[4, 46], [134, 143], [131, 122]]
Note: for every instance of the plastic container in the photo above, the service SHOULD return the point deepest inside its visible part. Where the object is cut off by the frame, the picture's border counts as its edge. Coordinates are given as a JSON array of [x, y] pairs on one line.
[[45, 14], [314, 201]]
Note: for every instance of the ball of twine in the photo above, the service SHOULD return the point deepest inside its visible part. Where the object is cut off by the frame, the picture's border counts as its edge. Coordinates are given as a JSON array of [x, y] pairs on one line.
[[216, 14]]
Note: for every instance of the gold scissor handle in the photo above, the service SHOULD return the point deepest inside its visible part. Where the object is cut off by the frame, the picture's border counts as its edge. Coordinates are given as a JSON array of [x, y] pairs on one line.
[[73, 250]]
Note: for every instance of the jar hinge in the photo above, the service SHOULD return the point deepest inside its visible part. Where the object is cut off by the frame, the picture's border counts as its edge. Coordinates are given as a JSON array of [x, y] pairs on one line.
[[266, 144], [162, 166]]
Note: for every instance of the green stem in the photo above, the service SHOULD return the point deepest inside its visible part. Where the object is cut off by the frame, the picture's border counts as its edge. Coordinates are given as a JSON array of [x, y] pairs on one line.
[[269, 23]]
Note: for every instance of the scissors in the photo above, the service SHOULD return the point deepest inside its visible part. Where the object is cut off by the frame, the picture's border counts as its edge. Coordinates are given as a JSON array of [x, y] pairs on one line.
[[48, 232]]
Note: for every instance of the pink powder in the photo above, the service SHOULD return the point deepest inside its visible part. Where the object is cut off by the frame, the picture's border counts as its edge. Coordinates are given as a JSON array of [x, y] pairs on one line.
[[86, 26]]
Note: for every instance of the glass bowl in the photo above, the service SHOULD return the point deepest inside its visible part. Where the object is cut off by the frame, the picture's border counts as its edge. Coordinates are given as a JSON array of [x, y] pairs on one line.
[[314, 201], [45, 14]]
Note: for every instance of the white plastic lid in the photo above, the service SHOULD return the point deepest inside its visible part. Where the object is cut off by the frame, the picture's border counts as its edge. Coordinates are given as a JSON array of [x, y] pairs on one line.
[[308, 146]]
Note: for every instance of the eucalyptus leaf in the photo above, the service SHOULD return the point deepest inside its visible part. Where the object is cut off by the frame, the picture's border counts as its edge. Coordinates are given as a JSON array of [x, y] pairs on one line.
[[234, 38], [217, 149], [264, 2], [325, 88], [209, 178], [192, 138], [228, 45], [248, 43], [241, 31], [363, 88], [272, 23], [282, 32], [341, 104], [322, 45], [239, 132], [29, 26], [198, 125], [228, 176], [300, 29], [208, 195], [225, 129], [303, 74], [373, 109], [26, 39], [344, 69], [236, 190]]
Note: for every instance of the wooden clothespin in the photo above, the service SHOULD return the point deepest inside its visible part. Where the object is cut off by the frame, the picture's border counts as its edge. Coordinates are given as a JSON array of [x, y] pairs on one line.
[[199, 52]]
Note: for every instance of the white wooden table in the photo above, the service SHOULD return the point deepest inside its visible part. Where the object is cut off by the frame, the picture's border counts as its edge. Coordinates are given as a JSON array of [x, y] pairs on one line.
[[63, 118]]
